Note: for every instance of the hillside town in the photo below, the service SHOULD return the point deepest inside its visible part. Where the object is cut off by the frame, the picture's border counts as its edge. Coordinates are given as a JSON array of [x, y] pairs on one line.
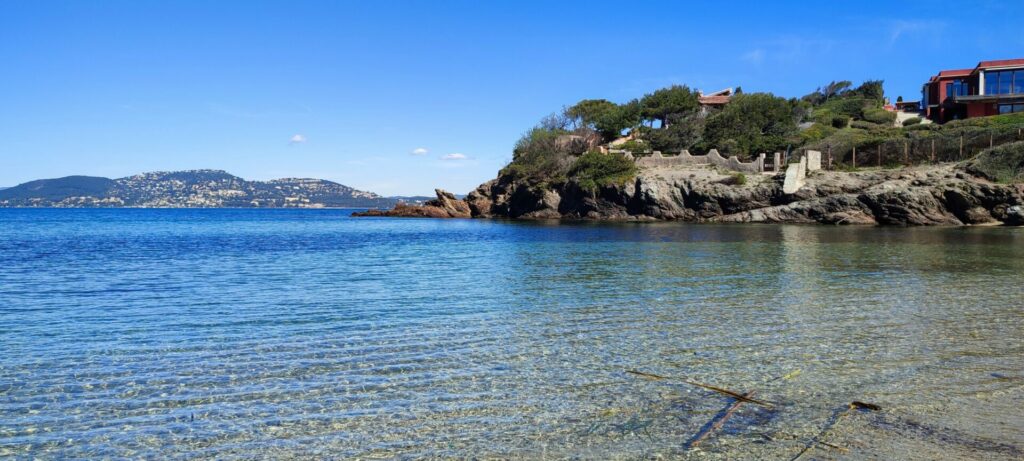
[[188, 189]]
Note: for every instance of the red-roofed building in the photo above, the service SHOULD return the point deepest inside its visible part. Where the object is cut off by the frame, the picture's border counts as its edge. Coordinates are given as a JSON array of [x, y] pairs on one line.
[[717, 99], [990, 88]]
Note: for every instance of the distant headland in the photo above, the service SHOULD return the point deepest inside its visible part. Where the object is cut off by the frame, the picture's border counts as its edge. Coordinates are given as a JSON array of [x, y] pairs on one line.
[[191, 189]]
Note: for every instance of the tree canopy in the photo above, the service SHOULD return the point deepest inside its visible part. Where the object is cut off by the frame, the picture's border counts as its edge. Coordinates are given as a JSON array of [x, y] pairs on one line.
[[752, 123], [564, 145], [829, 91], [870, 90], [668, 104], [603, 116]]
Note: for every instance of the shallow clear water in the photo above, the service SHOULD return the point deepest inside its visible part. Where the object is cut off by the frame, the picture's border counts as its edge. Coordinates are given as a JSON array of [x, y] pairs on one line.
[[297, 334]]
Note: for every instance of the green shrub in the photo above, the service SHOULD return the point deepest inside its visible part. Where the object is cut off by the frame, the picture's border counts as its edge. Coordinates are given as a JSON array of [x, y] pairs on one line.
[[921, 127], [851, 106], [843, 141], [816, 132], [538, 157], [635, 145], [728, 146], [995, 120], [594, 170], [757, 122], [912, 121], [738, 179], [879, 116], [861, 124], [683, 133], [1003, 163], [872, 92], [840, 121]]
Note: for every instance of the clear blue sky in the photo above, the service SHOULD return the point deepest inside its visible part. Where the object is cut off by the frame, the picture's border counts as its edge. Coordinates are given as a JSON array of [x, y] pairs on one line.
[[348, 91]]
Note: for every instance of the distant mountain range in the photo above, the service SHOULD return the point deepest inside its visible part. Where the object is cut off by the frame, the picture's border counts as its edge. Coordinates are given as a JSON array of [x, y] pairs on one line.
[[191, 189]]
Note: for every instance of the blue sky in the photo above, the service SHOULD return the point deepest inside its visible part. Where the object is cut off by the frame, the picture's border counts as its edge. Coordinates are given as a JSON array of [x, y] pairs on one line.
[[356, 92]]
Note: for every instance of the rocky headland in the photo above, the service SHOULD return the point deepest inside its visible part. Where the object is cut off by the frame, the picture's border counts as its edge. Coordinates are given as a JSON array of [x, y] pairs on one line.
[[446, 205], [945, 194], [602, 160]]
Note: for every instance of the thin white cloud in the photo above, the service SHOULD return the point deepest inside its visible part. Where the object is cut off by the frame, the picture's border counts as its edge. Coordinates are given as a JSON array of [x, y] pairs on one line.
[[789, 50], [454, 156], [753, 56], [907, 28], [297, 139], [419, 151]]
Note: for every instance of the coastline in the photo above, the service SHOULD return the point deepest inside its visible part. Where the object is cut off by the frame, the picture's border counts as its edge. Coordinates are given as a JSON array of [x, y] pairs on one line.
[[923, 195]]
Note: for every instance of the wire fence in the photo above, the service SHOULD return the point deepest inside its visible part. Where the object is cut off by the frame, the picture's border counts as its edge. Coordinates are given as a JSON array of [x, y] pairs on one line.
[[917, 147]]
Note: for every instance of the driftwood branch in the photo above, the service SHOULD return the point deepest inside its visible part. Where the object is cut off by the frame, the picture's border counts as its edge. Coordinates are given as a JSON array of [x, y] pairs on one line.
[[716, 424], [733, 394]]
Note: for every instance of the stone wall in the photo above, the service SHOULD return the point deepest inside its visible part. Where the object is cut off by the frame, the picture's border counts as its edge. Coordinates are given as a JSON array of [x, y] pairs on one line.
[[713, 158]]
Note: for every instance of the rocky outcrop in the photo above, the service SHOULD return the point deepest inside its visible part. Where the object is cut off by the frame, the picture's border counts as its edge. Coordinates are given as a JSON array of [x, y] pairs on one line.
[[446, 205], [922, 195]]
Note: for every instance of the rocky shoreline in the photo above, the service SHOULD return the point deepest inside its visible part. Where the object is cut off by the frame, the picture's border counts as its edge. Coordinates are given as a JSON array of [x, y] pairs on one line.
[[446, 205], [945, 194]]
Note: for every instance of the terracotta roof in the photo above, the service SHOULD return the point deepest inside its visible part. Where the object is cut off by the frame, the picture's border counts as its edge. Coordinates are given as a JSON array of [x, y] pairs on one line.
[[713, 100], [981, 65], [1000, 63], [951, 73]]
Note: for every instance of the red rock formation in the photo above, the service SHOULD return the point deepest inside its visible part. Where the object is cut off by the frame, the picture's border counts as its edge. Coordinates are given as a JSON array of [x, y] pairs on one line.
[[446, 205]]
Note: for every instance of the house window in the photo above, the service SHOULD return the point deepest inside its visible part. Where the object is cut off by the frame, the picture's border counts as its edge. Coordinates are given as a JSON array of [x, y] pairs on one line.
[[957, 88], [1005, 82], [991, 82], [1010, 108]]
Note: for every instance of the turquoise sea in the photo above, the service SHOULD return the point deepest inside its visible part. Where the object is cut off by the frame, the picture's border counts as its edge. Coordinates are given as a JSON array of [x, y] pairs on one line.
[[307, 334]]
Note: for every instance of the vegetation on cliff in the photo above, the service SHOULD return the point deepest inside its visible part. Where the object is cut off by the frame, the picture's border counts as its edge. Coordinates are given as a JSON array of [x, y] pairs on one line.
[[915, 142], [752, 123], [846, 122], [554, 156], [593, 170], [1003, 163], [671, 119]]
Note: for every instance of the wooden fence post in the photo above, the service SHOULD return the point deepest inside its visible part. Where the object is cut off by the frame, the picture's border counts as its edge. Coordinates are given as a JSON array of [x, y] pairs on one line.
[[879, 155], [990, 140], [830, 156], [906, 152], [961, 146], [933, 150], [855, 156]]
